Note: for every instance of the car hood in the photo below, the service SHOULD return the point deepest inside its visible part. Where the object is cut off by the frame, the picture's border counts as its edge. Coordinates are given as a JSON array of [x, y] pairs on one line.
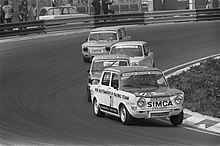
[[96, 75], [135, 59], [156, 92], [99, 43]]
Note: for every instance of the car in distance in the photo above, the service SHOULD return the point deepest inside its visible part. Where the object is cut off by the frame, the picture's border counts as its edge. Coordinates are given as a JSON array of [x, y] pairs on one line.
[[136, 92], [138, 51], [101, 39], [99, 63], [59, 12]]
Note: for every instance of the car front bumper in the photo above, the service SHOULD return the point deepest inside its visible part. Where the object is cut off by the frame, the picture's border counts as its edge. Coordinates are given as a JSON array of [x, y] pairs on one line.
[[159, 113]]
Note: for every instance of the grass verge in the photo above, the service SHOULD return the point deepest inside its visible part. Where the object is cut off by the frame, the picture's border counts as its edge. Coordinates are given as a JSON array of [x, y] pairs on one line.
[[201, 85]]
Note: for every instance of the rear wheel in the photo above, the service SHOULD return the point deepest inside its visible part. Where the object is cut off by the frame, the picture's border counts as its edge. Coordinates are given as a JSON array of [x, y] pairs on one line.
[[177, 119], [125, 116], [97, 110]]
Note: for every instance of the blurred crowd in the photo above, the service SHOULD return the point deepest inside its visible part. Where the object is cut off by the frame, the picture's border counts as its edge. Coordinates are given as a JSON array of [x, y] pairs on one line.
[[102, 4], [25, 12]]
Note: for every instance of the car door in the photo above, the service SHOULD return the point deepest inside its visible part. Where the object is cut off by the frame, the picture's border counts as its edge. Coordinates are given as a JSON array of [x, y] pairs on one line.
[[148, 56], [104, 91], [115, 96]]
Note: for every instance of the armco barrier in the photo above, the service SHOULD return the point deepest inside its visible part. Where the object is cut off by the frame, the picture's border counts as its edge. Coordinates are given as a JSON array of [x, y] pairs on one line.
[[131, 18]]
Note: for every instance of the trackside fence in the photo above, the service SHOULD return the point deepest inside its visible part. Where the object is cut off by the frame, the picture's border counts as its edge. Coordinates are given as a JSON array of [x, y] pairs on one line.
[[89, 22]]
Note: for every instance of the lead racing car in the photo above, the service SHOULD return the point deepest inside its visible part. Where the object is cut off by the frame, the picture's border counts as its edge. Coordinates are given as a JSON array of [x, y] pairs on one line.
[[132, 92]]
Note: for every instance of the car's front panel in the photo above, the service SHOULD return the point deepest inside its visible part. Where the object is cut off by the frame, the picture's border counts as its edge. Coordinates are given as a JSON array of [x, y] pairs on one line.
[[153, 97]]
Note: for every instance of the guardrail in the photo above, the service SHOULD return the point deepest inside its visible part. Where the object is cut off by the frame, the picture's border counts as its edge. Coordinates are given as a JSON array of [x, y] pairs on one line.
[[88, 22]]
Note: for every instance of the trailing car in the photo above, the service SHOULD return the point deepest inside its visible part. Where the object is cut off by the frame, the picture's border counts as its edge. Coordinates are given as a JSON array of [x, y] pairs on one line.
[[101, 39], [138, 51], [47, 13], [99, 63], [136, 92]]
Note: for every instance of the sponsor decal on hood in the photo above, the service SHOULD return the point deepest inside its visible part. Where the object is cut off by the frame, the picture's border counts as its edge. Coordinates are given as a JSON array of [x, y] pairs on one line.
[[160, 92]]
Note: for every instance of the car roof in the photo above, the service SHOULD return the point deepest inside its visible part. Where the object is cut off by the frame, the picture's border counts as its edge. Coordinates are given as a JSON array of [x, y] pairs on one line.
[[111, 56], [123, 69], [112, 28], [125, 43]]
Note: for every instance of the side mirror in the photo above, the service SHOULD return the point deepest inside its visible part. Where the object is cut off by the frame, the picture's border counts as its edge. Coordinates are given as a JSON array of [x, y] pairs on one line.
[[107, 48], [87, 71]]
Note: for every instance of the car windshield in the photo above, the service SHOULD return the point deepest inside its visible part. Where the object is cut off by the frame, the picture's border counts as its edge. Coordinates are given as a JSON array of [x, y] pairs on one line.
[[100, 65], [131, 51], [149, 79], [110, 36], [54, 11], [73, 11]]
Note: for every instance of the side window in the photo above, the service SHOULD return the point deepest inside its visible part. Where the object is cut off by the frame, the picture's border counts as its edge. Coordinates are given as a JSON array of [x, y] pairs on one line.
[[114, 82], [146, 49], [65, 11], [106, 78], [50, 12], [42, 12], [123, 33], [119, 34]]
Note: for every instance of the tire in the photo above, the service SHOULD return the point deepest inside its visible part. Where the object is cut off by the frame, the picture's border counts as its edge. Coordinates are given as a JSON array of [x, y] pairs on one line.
[[125, 116], [88, 94], [177, 119], [97, 110], [85, 60], [153, 64]]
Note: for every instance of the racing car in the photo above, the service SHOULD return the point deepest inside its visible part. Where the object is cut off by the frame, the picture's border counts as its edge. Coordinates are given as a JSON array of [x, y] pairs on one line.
[[99, 63], [136, 92], [138, 51], [101, 39]]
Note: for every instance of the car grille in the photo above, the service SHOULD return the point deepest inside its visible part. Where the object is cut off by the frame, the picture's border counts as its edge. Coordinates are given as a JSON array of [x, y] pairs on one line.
[[159, 114]]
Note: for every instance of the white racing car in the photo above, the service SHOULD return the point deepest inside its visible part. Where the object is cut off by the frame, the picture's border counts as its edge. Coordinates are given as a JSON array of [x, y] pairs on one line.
[[101, 62], [138, 51], [136, 92], [101, 39]]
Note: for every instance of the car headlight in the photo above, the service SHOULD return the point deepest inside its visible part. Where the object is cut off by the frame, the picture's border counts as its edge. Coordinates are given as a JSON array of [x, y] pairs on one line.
[[141, 102], [85, 49], [95, 82], [134, 63], [179, 99]]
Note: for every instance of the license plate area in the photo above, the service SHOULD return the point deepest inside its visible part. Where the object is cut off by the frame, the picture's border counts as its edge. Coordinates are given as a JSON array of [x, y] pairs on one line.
[[159, 114], [96, 50]]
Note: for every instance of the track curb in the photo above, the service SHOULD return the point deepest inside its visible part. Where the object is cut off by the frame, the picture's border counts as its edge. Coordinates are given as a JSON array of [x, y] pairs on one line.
[[193, 118]]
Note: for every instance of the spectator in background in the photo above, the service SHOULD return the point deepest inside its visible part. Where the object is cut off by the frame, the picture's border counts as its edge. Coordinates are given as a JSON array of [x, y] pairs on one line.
[[8, 10], [105, 7], [23, 10], [2, 14], [208, 4], [97, 6], [34, 11]]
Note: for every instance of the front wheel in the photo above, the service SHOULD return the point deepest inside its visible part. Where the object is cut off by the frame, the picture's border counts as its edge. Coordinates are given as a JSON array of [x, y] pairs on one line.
[[177, 119], [97, 110], [125, 116]]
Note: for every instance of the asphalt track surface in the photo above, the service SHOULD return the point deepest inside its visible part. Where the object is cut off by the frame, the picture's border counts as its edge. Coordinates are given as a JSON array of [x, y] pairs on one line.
[[43, 95]]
